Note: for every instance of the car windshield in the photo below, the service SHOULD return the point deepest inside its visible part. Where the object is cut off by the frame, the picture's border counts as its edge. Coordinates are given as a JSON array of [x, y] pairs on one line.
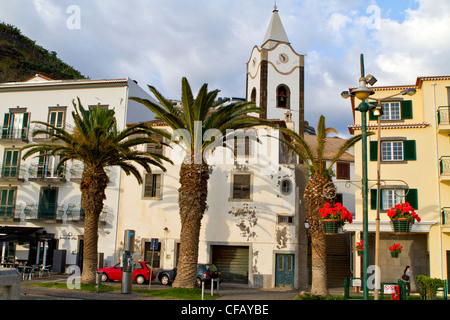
[[148, 265], [211, 268]]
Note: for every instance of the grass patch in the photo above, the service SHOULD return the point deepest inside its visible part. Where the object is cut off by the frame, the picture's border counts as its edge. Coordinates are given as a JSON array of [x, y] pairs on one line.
[[178, 293], [83, 286]]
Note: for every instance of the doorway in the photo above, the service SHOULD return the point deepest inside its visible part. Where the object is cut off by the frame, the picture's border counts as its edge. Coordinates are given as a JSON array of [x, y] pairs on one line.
[[284, 274]]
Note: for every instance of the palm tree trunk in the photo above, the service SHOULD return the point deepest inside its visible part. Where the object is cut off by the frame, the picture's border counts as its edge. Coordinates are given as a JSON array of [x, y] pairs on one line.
[[93, 188], [192, 201], [314, 200]]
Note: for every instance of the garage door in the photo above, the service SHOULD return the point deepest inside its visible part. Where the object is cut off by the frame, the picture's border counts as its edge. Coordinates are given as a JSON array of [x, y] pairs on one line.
[[233, 262]]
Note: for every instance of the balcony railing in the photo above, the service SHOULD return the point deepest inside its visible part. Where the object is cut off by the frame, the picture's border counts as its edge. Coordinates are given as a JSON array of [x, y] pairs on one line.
[[43, 136], [17, 134], [444, 167], [40, 212], [444, 119], [46, 171], [446, 216], [11, 173], [10, 212], [75, 213]]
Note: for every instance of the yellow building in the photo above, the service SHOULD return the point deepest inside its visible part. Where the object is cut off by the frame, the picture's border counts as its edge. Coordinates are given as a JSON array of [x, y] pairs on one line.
[[414, 168]]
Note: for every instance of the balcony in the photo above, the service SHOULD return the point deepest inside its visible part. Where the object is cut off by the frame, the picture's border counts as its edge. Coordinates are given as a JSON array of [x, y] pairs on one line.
[[42, 137], [47, 173], [17, 136], [48, 213], [446, 219], [75, 213], [443, 119], [444, 168], [11, 174], [10, 212]]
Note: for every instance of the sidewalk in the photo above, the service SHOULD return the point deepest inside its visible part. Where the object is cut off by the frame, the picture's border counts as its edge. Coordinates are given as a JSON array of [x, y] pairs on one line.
[[226, 291]]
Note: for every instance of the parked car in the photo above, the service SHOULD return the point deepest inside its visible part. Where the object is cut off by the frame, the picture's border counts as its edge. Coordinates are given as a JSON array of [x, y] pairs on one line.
[[141, 272], [204, 272]]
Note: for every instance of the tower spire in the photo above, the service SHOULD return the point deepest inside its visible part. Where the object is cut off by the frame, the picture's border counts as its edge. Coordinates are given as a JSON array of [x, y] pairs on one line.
[[275, 32]]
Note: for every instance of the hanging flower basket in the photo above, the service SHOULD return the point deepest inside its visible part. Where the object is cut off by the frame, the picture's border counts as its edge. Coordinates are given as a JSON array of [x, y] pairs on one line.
[[402, 218], [334, 217], [395, 250], [359, 247], [331, 226], [402, 225]]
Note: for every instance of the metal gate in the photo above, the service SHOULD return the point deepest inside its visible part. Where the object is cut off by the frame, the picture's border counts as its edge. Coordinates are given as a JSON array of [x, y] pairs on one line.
[[233, 262]]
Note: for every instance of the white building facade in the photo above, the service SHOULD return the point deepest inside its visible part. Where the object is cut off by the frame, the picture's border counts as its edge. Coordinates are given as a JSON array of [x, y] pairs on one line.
[[35, 199], [253, 228]]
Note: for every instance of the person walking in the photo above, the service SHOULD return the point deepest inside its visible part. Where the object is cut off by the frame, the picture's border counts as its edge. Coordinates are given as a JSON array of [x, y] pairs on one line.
[[407, 278]]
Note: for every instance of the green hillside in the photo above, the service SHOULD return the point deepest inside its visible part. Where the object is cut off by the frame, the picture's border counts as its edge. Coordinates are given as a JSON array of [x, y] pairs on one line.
[[21, 58]]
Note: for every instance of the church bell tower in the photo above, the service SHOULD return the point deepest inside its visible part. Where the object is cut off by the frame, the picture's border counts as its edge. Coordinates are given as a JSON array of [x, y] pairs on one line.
[[275, 76]]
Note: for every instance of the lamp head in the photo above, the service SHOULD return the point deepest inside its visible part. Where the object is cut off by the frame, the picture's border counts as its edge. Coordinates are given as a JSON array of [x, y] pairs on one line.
[[346, 94], [371, 79], [362, 93], [409, 92]]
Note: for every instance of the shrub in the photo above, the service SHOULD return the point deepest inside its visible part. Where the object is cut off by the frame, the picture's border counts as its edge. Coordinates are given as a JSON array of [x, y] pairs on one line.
[[427, 286]]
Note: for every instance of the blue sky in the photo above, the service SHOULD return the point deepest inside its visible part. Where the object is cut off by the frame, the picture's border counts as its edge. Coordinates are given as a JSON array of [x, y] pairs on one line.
[[158, 42]]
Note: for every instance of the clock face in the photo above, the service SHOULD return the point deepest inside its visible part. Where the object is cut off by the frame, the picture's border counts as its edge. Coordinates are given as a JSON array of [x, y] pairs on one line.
[[283, 57]]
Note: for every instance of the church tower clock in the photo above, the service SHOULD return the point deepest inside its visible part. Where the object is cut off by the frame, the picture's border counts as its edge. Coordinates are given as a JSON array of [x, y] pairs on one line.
[[275, 76]]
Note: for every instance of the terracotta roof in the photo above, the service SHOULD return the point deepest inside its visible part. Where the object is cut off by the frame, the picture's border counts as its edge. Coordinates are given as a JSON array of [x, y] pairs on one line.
[[354, 127], [332, 145]]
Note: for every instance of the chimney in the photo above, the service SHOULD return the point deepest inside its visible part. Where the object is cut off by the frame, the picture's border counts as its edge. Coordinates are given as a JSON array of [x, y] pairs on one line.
[[288, 119]]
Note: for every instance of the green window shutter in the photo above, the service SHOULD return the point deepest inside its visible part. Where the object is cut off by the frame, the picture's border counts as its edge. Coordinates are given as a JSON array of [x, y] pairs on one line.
[[26, 117], [413, 199], [409, 151], [373, 199], [5, 126], [373, 150], [373, 117], [406, 109]]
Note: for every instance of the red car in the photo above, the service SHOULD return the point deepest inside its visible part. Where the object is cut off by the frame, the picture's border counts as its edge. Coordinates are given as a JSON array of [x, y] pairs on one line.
[[141, 272]]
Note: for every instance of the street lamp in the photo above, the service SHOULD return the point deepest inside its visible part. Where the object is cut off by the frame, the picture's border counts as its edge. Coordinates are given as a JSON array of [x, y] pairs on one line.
[[378, 112], [363, 93]]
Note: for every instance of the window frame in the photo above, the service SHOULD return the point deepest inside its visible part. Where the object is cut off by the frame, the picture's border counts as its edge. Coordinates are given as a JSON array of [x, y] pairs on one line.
[[347, 174], [392, 154], [156, 196], [388, 108], [250, 187]]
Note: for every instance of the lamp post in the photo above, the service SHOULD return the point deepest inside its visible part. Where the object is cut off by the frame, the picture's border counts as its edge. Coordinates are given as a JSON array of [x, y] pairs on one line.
[[378, 112], [363, 93]]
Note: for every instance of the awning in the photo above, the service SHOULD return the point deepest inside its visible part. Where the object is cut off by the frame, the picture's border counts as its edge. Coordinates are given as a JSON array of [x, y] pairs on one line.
[[18, 234]]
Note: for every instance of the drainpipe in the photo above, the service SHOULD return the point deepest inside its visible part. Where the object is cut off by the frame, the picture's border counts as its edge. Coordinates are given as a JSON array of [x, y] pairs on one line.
[[438, 180]]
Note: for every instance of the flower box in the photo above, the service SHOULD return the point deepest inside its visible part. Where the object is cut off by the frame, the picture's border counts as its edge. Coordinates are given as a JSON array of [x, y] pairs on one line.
[[395, 250], [359, 247], [334, 217], [402, 218]]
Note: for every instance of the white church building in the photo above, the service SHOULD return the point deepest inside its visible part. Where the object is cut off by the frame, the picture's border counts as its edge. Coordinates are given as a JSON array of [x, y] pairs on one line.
[[253, 228]]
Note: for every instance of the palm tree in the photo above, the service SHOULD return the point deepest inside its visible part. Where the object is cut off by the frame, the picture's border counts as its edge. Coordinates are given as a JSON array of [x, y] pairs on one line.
[[193, 121], [96, 142], [318, 191]]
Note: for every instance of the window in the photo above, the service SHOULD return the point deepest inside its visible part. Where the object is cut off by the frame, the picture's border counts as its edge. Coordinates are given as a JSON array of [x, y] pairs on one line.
[[243, 144], [7, 203], [398, 149], [10, 168], [47, 168], [391, 111], [156, 148], [391, 197], [343, 170], [392, 151], [285, 219], [48, 203], [152, 186], [286, 186], [56, 117], [253, 95], [283, 97], [15, 124], [394, 195], [241, 186]]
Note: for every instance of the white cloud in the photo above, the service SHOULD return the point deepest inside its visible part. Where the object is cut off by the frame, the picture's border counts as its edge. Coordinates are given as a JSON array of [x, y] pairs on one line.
[[157, 42]]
